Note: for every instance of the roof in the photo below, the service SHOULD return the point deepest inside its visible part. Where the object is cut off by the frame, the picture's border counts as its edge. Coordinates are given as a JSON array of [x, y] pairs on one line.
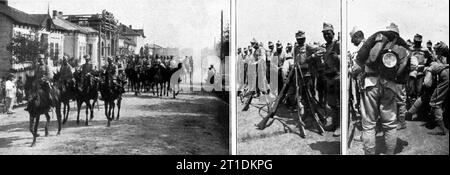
[[127, 40], [89, 29], [124, 30], [151, 46], [140, 32], [22, 17], [68, 26]]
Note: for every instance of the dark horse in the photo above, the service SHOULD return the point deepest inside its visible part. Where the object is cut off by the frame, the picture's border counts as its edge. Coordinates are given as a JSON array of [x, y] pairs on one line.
[[86, 91], [45, 97], [68, 92], [172, 76], [157, 76], [111, 92]]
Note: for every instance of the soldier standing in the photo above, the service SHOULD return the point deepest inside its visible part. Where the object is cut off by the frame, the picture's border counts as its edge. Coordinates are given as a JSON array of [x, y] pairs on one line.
[[329, 71], [240, 70], [269, 56], [245, 59], [384, 58], [420, 58], [357, 78], [279, 57]]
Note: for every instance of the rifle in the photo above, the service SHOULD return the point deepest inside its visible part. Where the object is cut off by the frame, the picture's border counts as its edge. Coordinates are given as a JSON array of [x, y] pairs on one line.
[[354, 119], [308, 99]]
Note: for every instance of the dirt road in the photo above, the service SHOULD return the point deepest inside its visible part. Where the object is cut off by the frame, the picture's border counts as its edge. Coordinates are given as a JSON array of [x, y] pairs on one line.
[[274, 141], [414, 140], [187, 125]]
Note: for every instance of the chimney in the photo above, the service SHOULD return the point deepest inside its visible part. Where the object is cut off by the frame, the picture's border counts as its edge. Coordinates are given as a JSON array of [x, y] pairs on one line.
[[131, 27], [60, 14], [55, 13], [4, 2]]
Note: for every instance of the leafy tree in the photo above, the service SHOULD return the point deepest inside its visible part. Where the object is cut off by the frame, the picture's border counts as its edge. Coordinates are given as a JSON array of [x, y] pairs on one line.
[[27, 48]]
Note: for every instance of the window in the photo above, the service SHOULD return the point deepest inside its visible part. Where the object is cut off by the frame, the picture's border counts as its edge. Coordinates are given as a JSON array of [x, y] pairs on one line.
[[103, 49], [52, 53], [56, 51]]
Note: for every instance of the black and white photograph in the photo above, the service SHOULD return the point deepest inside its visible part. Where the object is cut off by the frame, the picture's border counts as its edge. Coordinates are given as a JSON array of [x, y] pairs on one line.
[[398, 77], [288, 77], [135, 77]]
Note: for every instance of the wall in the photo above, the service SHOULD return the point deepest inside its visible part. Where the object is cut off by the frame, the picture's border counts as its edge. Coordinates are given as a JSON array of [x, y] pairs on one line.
[[139, 43], [93, 40], [69, 44], [75, 45], [6, 28]]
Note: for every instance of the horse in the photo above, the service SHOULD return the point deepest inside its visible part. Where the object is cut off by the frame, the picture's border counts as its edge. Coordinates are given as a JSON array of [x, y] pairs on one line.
[[172, 77], [68, 91], [111, 92], [45, 97], [86, 91], [157, 75]]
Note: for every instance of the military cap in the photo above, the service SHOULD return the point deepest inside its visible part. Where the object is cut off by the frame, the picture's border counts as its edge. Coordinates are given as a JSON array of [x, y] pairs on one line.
[[354, 30], [279, 45], [87, 57], [417, 37], [327, 26], [429, 42], [393, 27], [245, 49], [440, 46], [109, 58], [270, 43], [289, 45], [300, 34], [253, 41]]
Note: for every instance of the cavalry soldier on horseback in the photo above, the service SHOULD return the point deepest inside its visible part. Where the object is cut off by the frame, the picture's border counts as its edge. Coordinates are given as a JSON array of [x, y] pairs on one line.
[[86, 69], [41, 75], [66, 72], [111, 73]]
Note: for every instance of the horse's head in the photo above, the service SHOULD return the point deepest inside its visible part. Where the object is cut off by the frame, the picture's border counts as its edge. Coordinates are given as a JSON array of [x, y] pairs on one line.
[[29, 82], [56, 76], [46, 86]]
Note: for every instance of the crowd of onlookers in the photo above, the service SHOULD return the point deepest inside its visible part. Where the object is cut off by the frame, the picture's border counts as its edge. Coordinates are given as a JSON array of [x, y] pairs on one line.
[[12, 93]]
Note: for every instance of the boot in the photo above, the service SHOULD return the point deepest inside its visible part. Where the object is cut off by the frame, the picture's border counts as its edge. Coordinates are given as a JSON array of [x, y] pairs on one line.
[[441, 129], [390, 138], [369, 151], [414, 108]]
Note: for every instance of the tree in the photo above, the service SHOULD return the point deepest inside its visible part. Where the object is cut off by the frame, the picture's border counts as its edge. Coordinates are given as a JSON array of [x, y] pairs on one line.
[[27, 49]]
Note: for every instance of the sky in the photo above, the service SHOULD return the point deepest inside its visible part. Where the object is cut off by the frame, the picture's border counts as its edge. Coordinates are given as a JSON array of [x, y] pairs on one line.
[[169, 23], [273, 20], [426, 17]]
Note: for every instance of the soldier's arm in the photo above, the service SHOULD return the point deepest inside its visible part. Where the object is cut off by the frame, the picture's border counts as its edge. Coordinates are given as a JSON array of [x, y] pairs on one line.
[[364, 51]]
